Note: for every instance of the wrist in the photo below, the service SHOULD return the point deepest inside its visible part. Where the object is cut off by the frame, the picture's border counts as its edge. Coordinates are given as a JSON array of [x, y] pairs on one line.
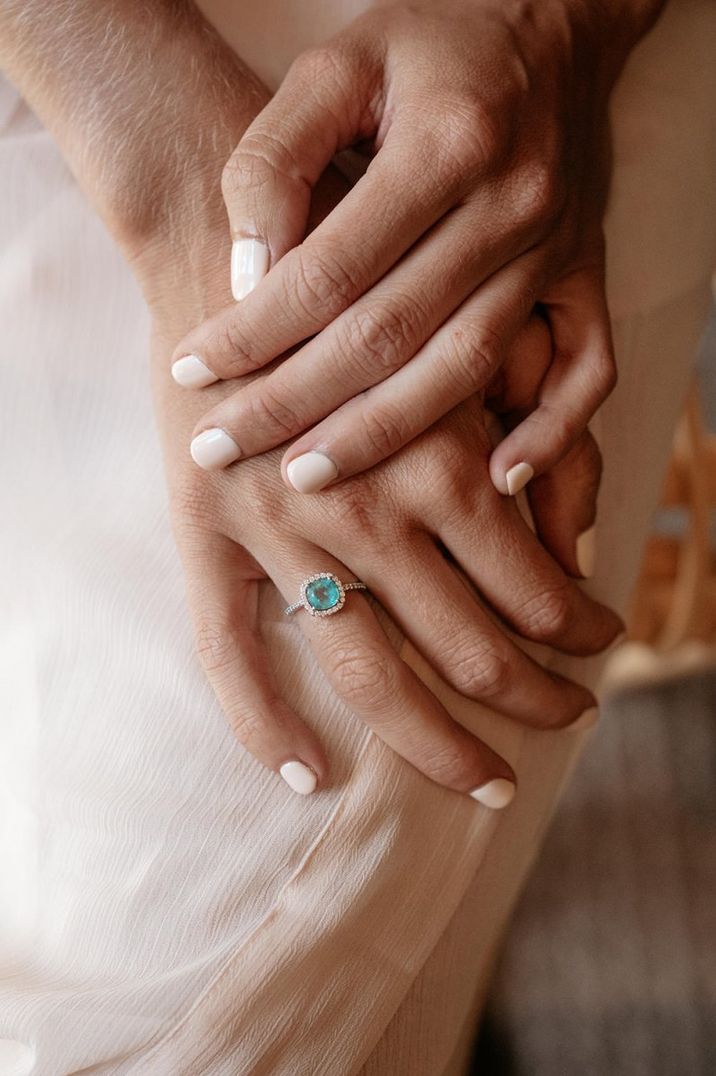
[[613, 27], [598, 35]]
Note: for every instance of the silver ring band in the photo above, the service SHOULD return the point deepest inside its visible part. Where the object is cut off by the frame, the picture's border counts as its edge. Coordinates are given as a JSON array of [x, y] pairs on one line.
[[323, 594]]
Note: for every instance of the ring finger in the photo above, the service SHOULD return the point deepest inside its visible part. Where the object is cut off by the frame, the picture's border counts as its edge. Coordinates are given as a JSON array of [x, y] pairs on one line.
[[371, 679]]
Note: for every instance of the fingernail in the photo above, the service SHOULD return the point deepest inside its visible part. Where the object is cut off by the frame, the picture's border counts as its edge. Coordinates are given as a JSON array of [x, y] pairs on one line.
[[300, 778], [213, 449], [249, 265], [495, 794], [191, 373], [586, 552], [586, 720], [517, 477], [311, 471]]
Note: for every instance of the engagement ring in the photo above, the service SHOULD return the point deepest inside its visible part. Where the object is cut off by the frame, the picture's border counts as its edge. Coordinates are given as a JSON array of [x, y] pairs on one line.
[[323, 594]]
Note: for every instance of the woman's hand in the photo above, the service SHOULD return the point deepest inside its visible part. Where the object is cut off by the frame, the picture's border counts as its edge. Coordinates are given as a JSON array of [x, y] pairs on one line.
[[485, 195], [401, 528], [390, 528]]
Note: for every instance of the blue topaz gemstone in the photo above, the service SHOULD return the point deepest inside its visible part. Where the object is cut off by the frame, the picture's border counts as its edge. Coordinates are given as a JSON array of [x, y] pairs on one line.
[[323, 593]]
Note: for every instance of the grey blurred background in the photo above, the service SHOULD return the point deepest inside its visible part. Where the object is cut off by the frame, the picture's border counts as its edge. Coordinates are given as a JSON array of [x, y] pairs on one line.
[[610, 965]]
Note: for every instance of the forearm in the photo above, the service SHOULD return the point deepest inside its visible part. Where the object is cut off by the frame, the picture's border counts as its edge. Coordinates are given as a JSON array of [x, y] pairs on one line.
[[145, 101]]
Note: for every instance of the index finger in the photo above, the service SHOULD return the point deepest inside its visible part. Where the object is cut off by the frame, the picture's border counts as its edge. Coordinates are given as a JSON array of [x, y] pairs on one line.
[[223, 600]]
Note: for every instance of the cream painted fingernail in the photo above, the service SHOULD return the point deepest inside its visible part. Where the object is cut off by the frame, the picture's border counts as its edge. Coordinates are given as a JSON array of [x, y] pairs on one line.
[[191, 373], [300, 778], [213, 449], [517, 477], [249, 265], [585, 721], [311, 471], [495, 794], [587, 552]]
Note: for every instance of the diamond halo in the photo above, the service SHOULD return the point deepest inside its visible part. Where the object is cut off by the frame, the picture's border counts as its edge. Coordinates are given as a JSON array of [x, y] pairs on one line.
[[323, 600]]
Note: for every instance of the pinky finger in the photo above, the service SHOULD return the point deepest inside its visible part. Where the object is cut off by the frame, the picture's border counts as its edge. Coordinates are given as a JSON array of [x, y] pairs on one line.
[[578, 381], [564, 506], [223, 586]]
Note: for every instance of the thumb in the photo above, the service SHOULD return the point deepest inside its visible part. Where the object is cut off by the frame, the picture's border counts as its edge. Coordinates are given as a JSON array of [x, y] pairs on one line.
[[323, 105], [580, 377]]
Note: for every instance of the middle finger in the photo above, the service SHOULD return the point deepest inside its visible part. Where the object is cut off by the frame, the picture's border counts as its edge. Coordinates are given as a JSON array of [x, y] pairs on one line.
[[377, 336], [473, 653]]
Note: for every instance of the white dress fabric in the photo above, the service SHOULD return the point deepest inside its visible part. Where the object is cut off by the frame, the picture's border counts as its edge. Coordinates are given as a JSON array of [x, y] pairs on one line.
[[167, 905]]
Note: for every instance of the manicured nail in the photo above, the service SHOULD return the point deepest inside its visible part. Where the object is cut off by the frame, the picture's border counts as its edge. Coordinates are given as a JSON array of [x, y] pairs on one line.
[[495, 794], [300, 778], [586, 552], [191, 373], [249, 264], [517, 477], [213, 449], [586, 720], [311, 471]]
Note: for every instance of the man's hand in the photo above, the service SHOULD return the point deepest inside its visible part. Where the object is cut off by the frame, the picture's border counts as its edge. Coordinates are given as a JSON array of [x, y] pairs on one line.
[[485, 195]]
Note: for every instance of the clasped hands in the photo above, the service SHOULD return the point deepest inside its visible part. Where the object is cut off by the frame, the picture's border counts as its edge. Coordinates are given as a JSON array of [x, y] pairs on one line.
[[461, 277]]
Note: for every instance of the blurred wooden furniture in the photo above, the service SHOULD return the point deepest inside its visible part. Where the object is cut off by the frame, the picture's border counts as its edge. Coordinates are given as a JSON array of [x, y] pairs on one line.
[[672, 619], [675, 598]]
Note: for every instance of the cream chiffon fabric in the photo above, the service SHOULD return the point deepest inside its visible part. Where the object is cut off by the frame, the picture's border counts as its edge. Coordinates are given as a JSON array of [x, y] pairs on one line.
[[167, 906]]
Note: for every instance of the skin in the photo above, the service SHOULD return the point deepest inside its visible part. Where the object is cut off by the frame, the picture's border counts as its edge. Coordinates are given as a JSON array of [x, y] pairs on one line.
[[148, 150], [505, 107]]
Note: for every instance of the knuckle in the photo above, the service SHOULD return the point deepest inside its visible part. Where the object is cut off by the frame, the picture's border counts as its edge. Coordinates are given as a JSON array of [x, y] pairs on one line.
[[319, 66], [259, 157], [479, 672], [448, 464], [557, 424], [379, 339], [246, 167], [472, 139], [321, 286], [450, 484], [247, 725], [363, 677], [539, 193], [348, 511], [471, 355], [213, 644], [545, 617]]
